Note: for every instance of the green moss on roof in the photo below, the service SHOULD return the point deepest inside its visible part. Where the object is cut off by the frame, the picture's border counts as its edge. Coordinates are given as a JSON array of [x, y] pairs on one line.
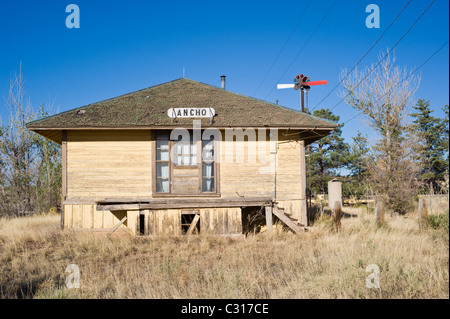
[[232, 110]]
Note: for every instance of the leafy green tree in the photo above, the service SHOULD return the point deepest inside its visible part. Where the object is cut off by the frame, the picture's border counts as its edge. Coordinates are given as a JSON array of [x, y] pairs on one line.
[[431, 145], [328, 155]]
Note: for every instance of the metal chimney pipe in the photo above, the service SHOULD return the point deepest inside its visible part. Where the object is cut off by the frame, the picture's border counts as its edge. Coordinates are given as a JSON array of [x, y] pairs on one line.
[[223, 81]]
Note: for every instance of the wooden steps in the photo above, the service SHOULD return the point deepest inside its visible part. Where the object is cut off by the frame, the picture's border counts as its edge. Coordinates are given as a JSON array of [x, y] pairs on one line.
[[290, 221]]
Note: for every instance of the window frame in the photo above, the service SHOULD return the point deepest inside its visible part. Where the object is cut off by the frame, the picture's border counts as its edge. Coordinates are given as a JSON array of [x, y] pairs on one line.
[[199, 166], [172, 144], [155, 165], [202, 161]]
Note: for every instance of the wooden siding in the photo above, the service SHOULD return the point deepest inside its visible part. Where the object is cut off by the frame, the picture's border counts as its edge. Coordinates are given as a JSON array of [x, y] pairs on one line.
[[118, 164], [108, 163], [257, 178], [87, 217], [213, 221]]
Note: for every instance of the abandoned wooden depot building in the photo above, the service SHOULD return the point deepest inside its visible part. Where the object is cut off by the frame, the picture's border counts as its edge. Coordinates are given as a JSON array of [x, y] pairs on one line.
[[119, 160]]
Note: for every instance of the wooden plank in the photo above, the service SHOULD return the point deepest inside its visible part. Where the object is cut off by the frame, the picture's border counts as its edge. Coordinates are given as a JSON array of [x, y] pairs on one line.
[[285, 219], [76, 216], [119, 207], [201, 205], [204, 221], [108, 221], [226, 217], [68, 218], [215, 221], [149, 225], [117, 226], [219, 221], [197, 199], [269, 218], [177, 222], [98, 218], [237, 220], [238, 223], [133, 221], [182, 204], [193, 225]]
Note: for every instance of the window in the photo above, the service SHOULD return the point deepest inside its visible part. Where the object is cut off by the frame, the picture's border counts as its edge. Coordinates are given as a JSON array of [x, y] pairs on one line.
[[208, 166], [184, 168], [185, 153], [162, 163]]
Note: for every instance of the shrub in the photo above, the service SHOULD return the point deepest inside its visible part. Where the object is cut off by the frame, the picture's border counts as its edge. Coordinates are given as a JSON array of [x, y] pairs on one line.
[[438, 222]]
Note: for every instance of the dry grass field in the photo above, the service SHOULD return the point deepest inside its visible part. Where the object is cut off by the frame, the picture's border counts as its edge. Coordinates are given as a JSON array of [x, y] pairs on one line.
[[34, 253]]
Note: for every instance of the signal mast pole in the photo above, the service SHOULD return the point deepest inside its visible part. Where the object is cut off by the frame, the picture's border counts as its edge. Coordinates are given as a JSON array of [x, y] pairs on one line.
[[303, 83]]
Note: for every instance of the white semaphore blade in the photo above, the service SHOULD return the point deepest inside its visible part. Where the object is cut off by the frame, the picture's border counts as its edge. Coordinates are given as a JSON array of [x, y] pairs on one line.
[[285, 86]]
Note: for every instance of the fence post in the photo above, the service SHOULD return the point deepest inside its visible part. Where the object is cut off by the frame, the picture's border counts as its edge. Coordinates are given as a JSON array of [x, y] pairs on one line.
[[423, 212], [337, 215], [379, 212]]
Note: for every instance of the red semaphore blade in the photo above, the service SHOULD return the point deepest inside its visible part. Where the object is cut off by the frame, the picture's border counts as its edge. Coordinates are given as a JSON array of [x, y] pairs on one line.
[[321, 82]]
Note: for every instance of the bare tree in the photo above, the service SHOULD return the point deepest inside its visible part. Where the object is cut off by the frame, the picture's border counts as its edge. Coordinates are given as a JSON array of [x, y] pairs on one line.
[[17, 154], [383, 93], [49, 169]]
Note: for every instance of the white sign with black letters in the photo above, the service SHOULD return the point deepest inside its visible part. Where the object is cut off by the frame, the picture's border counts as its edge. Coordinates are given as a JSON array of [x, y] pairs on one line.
[[191, 112]]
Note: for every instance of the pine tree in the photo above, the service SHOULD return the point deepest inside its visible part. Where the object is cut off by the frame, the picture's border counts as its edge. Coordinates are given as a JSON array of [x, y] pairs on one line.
[[357, 181], [431, 147], [328, 155]]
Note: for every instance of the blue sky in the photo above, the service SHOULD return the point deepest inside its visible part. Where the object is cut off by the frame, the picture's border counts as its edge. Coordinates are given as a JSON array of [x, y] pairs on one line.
[[123, 46]]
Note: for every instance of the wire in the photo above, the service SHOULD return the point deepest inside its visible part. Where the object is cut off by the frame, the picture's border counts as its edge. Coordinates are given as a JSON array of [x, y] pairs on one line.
[[282, 48], [365, 54], [306, 43], [415, 70], [386, 54]]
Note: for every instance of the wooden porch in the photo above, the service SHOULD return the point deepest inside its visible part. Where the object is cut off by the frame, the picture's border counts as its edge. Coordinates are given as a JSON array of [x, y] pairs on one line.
[[271, 207]]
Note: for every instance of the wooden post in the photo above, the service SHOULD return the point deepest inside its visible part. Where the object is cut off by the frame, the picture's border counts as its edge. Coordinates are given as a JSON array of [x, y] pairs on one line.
[[193, 224], [303, 205], [337, 215], [269, 218], [423, 212], [379, 212]]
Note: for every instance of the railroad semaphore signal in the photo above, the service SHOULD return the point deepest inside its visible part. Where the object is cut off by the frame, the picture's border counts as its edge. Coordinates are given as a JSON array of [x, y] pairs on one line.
[[303, 83]]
